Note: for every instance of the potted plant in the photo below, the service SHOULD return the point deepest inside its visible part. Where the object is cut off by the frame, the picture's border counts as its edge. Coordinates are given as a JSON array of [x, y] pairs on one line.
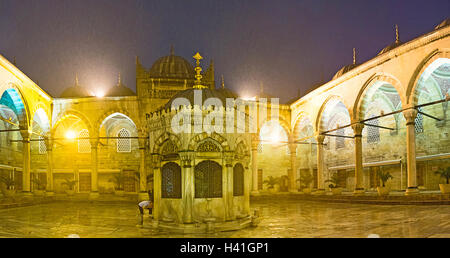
[[70, 186], [40, 187], [305, 182], [119, 180], [273, 184], [334, 184], [384, 177], [7, 186], [444, 173]]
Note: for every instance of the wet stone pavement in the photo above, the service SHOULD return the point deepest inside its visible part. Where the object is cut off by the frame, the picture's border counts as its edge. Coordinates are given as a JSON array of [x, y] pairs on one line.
[[284, 219]]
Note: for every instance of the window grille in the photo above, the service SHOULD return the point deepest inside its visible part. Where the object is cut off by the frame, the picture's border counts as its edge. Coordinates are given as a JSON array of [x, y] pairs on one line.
[[171, 181], [373, 133], [340, 141], [208, 180], [84, 145], [42, 146], [238, 180], [124, 145], [419, 122]]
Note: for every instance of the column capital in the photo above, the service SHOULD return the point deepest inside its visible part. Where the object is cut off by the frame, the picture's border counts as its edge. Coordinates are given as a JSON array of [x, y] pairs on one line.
[[156, 160], [410, 116], [143, 142], [229, 157], [186, 158], [357, 129], [319, 138], [26, 134]]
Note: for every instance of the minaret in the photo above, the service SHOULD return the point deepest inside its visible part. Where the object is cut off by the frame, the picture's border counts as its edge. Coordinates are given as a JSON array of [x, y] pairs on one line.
[[198, 71], [354, 56]]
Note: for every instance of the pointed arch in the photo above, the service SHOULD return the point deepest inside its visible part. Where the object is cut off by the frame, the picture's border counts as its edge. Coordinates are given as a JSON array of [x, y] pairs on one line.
[[412, 92], [199, 138]]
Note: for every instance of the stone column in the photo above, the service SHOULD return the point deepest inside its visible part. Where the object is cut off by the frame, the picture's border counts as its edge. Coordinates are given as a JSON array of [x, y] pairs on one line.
[[247, 182], [49, 146], [320, 164], [229, 215], [255, 143], [187, 173], [142, 170], [26, 169], [359, 170], [410, 116], [293, 172], [94, 170], [156, 163]]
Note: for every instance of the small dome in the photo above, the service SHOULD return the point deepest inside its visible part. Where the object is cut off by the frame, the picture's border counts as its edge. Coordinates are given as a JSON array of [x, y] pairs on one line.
[[390, 47], [206, 93], [76, 92], [119, 90], [172, 66], [443, 24], [344, 70]]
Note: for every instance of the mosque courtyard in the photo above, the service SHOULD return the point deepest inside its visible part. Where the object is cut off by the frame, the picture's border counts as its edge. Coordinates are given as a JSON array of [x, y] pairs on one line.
[[282, 219]]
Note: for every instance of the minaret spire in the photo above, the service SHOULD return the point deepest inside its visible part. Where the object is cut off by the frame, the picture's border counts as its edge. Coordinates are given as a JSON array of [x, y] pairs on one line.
[[223, 83], [397, 36], [119, 80], [261, 87], [76, 80], [354, 56]]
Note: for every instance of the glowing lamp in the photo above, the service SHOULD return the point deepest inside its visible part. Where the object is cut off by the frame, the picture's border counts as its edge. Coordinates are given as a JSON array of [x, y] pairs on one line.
[[71, 135]]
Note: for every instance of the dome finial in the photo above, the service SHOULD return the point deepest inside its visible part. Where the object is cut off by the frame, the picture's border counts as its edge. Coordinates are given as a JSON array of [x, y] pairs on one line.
[[354, 56], [223, 83], [397, 37], [172, 50], [198, 70]]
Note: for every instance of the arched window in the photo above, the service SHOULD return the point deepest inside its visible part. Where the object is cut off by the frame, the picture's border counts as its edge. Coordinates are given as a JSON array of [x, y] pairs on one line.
[[419, 122], [124, 145], [42, 146], [208, 180], [373, 133], [171, 181], [84, 144], [238, 180]]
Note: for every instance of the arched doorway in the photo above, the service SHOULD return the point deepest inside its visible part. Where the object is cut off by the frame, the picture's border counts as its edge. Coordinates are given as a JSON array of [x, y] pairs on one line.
[[208, 180]]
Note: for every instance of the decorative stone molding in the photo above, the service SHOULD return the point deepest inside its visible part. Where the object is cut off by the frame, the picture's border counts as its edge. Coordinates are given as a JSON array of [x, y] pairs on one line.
[[410, 116]]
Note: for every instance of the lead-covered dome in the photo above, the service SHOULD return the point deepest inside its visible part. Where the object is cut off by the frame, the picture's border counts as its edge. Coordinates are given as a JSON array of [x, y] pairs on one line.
[[76, 91], [344, 70], [443, 24], [172, 66], [119, 90]]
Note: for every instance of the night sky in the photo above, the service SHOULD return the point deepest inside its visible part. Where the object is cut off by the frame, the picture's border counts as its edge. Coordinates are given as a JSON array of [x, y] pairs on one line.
[[287, 45]]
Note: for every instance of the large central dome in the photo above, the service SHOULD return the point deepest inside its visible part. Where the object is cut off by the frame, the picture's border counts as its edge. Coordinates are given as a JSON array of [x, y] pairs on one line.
[[172, 66]]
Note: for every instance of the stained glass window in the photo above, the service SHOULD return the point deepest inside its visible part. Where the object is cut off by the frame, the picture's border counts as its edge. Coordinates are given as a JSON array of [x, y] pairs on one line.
[[208, 180], [171, 181], [238, 180]]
